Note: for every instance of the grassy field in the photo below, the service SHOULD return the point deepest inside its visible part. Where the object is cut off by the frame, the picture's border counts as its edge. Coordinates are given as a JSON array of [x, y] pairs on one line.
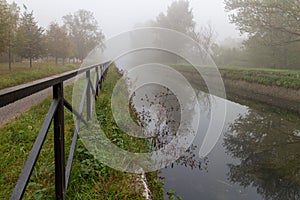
[[21, 73], [274, 77], [89, 178]]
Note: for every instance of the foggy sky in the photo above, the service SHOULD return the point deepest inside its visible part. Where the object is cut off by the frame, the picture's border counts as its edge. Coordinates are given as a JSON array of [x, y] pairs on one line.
[[117, 16]]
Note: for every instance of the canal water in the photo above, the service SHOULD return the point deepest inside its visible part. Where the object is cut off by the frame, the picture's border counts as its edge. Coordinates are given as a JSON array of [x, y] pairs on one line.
[[257, 156]]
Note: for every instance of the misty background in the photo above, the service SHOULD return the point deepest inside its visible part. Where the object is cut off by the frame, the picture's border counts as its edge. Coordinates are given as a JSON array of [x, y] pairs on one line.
[[263, 34], [115, 17]]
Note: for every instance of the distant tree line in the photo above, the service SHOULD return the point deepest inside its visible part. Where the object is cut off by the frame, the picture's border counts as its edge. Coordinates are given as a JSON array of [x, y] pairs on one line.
[[272, 28], [21, 36]]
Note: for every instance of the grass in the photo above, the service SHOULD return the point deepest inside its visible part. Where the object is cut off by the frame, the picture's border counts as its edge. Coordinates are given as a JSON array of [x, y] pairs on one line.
[[16, 140], [21, 73], [268, 70], [92, 180], [89, 179], [272, 77]]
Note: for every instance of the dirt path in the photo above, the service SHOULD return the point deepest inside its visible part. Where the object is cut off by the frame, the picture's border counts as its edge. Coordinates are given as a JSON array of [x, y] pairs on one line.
[[13, 110]]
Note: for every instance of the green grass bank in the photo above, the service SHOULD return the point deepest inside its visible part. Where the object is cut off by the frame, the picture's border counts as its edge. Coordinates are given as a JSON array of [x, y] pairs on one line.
[[89, 179], [21, 73], [274, 87]]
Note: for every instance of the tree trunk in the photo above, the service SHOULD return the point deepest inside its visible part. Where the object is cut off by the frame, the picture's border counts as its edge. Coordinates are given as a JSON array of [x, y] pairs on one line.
[[56, 60], [30, 61], [9, 57]]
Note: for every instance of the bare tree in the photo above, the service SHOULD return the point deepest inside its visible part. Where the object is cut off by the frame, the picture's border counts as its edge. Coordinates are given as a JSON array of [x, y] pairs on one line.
[[205, 37]]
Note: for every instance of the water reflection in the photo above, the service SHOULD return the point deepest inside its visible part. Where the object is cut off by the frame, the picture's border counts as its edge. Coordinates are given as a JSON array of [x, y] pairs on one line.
[[257, 157], [191, 160], [159, 113], [269, 154]]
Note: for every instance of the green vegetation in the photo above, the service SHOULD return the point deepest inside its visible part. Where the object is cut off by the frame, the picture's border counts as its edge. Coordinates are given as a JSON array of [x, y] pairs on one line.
[[22, 37], [105, 116], [271, 41], [83, 31], [21, 74], [89, 178], [16, 140], [273, 77], [29, 38], [278, 71], [281, 78], [58, 43]]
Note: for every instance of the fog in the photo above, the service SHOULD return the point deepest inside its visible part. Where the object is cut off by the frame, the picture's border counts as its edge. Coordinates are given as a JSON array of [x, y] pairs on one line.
[[115, 16]]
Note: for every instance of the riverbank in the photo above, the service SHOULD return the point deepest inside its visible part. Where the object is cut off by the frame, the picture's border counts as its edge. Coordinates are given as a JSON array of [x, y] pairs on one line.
[[280, 97], [279, 88], [89, 179]]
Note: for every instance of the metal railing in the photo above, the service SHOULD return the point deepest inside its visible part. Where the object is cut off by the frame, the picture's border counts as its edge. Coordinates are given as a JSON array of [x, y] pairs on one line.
[[55, 113]]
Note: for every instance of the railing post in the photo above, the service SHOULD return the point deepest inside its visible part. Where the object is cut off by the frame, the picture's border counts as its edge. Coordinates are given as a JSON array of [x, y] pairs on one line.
[[59, 150], [97, 81], [88, 96], [101, 74]]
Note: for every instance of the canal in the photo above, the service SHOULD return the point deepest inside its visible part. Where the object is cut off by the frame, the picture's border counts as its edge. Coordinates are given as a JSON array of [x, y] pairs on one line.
[[256, 157]]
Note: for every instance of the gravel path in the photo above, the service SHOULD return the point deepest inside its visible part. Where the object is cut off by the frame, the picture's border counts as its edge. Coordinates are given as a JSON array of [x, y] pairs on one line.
[[13, 110]]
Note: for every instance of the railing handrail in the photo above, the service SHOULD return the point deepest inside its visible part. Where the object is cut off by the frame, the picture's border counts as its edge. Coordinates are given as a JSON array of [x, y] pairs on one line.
[[55, 114], [12, 94]]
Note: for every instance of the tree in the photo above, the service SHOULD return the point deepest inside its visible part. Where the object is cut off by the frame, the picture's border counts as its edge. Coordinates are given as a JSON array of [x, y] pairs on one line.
[[9, 15], [230, 52], [84, 32], [262, 16], [179, 17], [58, 42], [225, 56], [4, 25], [13, 25], [30, 39], [273, 27], [205, 37]]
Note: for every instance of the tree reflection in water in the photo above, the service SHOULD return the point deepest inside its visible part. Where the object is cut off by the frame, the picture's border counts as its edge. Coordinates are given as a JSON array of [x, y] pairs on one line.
[[190, 160], [159, 113], [269, 157]]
